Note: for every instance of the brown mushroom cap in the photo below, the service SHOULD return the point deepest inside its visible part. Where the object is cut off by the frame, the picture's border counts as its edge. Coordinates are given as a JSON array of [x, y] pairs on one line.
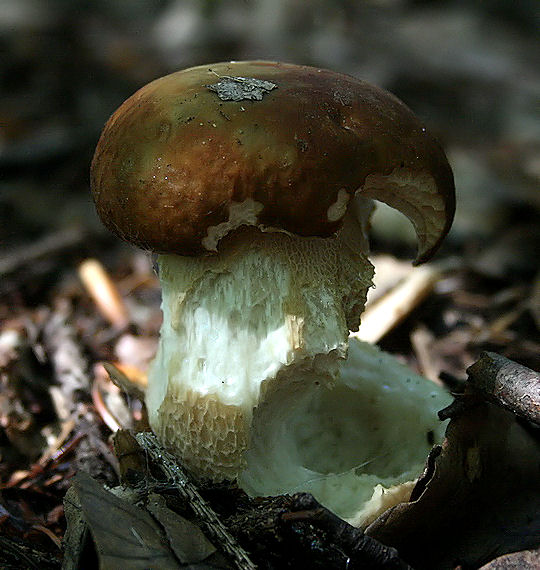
[[295, 142]]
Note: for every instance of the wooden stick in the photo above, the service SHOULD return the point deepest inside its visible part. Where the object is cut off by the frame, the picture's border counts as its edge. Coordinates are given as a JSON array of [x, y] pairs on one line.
[[181, 480], [388, 311], [363, 550], [507, 383]]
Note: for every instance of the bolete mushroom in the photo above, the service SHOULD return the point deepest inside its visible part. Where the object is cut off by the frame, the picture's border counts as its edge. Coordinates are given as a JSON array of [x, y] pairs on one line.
[[253, 181]]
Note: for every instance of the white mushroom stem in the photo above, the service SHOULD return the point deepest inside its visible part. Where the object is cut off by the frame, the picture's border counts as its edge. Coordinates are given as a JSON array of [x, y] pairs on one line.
[[251, 379], [269, 309]]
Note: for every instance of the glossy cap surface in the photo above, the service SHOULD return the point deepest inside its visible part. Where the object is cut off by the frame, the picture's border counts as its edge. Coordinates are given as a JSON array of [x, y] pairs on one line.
[[201, 152]]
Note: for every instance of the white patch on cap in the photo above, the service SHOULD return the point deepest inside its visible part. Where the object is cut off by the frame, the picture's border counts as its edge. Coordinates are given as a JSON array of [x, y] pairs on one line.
[[240, 214], [337, 210]]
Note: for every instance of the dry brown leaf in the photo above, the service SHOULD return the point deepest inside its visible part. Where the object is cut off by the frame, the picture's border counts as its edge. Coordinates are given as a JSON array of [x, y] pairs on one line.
[[125, 535], [186, 539], [481, 498]]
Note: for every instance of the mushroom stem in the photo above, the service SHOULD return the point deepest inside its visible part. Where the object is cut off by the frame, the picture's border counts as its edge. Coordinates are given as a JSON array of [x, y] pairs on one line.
[[252, 381], [268, 307]]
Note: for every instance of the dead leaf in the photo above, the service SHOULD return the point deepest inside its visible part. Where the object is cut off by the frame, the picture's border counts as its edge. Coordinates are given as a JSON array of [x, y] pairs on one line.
[[131, 461], [482, 500], [125, 535], [185, 538]]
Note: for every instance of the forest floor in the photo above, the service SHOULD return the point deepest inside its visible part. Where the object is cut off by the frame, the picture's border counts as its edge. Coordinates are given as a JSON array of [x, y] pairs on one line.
[[75, 305]]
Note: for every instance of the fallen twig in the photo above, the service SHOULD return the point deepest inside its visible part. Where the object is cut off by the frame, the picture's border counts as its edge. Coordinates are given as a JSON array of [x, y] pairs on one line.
[[363, 551], [181, 480], [507, 383], [388, 311], [104, 293]]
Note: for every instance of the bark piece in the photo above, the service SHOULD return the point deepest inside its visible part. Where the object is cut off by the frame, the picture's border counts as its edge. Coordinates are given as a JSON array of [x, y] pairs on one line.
[[515, 561], [362, 551]]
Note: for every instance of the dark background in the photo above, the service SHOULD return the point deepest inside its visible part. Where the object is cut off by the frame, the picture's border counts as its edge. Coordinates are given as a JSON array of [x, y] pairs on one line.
[[470, 69]]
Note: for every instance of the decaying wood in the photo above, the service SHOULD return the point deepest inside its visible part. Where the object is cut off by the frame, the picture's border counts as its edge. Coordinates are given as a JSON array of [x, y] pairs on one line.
[[64, 351], [515, 561], [507, 383], [363, 551], [182, 483]]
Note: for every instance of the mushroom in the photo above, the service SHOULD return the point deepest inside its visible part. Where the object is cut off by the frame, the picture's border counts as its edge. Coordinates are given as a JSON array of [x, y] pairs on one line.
[[253, 181]]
